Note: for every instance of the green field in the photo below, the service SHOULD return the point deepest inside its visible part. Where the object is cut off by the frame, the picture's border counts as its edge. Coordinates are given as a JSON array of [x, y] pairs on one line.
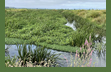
[[47, 27]]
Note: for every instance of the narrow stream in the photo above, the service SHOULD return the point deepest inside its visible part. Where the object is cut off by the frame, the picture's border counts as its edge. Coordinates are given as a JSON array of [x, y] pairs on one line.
[[96, 57]]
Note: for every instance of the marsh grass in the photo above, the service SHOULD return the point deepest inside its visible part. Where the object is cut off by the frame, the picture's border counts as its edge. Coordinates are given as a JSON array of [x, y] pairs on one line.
[[85, 26], [100, 47], [83, 56], [93, 15], [48, 27]]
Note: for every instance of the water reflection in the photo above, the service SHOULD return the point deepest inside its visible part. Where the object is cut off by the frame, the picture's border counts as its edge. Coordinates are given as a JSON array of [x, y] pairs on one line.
[[12, 50], [72, 25]]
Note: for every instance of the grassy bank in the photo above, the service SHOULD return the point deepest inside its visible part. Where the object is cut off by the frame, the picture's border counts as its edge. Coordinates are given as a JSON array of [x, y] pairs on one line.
[[50, 46], [47, 27]]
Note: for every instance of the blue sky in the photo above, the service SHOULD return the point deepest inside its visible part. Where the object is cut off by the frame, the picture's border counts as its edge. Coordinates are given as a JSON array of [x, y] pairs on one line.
[[57, 4]]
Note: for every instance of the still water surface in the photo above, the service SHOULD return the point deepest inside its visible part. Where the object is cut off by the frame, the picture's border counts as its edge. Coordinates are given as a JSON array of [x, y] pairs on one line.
[[100, 58]]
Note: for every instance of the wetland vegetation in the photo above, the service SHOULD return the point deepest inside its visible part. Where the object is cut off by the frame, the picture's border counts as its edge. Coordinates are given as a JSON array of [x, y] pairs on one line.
[[47, 27]]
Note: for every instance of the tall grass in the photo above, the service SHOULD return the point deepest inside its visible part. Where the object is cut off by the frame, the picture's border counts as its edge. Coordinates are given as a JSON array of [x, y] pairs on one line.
[[38, 54], [83, 56], [85, 25]]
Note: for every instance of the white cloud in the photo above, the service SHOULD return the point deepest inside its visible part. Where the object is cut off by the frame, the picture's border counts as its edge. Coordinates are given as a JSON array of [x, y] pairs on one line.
[[47, 0], [55, 3]]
